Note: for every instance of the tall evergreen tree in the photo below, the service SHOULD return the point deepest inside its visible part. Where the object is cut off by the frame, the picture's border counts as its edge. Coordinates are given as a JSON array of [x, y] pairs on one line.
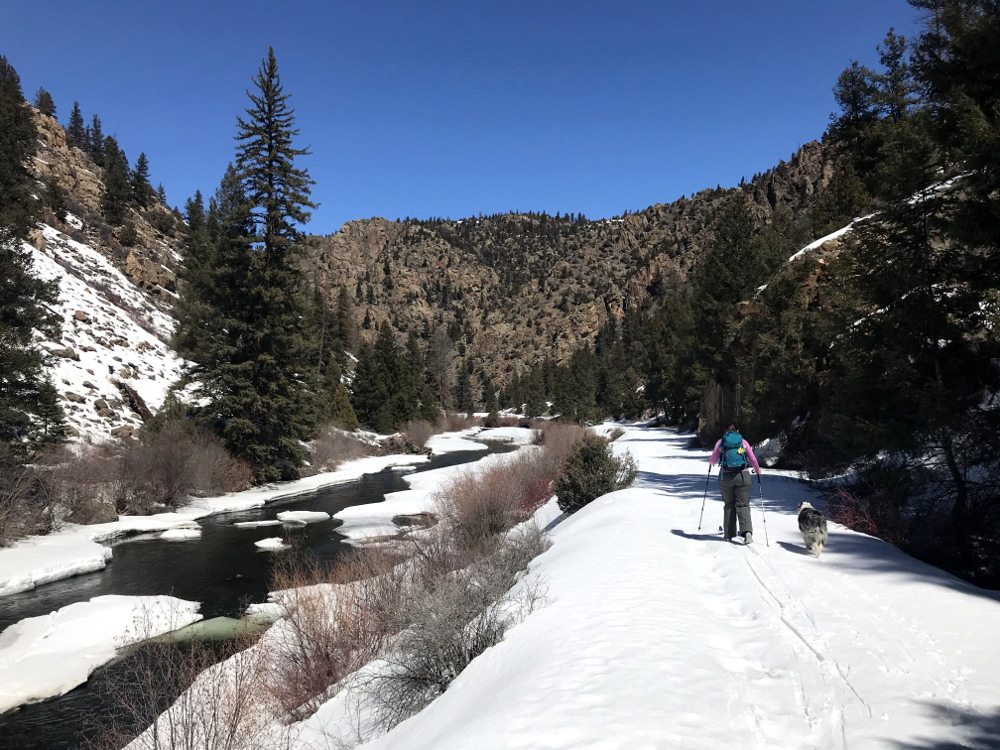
[[95, 141], [44, 103], [28, 409], [142, 191], [117, 194], [894, 86], [75, 130], [855, 93], [256, 369], [161, 195]]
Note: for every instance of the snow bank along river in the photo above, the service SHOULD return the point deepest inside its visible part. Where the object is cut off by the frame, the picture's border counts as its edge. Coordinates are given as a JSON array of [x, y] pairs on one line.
[[216, 573], [656, 635]]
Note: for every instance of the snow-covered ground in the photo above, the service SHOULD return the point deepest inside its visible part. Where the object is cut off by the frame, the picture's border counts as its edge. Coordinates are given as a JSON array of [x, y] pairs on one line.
[[656, 635], [102, 338], [83, 549], [45, 656]]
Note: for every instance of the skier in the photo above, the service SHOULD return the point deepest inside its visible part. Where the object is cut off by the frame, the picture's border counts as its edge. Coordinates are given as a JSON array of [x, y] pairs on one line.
[[736, 457]]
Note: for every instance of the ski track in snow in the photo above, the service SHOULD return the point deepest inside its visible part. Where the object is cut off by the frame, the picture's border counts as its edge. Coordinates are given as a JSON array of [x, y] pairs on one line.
[[654, 635]]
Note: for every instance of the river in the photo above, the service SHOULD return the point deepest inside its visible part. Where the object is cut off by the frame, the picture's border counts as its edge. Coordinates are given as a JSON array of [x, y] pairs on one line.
[[222, 570]]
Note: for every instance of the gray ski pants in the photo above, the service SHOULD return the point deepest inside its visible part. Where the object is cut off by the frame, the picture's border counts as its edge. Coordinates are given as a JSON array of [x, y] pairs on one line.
[[736, 501]]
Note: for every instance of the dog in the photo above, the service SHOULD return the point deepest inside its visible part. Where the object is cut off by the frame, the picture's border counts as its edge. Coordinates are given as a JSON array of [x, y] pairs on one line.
[[812, 524]]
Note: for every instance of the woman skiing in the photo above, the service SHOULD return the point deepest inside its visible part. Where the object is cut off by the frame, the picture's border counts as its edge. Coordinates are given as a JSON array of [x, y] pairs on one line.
[[736, 457]]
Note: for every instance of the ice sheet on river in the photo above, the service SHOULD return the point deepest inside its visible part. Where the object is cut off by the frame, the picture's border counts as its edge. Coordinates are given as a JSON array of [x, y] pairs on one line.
[[42, 657]]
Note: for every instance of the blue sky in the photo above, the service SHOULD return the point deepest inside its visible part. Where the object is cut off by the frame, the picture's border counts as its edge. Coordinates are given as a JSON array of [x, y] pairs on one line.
[[452, 109]]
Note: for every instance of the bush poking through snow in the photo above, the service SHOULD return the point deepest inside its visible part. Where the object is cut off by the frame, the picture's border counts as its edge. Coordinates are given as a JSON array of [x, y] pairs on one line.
[[25, 500], [166, 467], [419, 432], [445, 627], [616, 433], [593, 470], [333, 447]]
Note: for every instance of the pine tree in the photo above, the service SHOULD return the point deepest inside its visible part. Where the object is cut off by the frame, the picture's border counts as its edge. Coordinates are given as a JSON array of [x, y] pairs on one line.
[[142, 191], [75, 131], [161, 195], [895, 87], [379, 391], [257, 368], [95, 141], [25, 300], [855, 93], [463, 392], [44, 103], [844, 200], [55, 197], [117, 194]]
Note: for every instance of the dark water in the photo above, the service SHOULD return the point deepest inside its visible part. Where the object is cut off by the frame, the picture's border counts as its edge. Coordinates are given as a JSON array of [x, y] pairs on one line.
[[223, 570]]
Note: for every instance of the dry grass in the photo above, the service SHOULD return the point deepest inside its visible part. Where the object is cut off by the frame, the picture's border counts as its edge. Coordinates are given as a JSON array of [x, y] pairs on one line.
[[877, 515], [333, 447]]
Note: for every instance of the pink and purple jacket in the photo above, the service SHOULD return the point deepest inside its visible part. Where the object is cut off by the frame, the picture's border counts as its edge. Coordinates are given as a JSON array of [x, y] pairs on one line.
[[717, 453]]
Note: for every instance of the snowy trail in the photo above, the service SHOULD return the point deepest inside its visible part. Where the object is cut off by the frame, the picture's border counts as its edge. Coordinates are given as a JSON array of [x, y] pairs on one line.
[[656, 635]]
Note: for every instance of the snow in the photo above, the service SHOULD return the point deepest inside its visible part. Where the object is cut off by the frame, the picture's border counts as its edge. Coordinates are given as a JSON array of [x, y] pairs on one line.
[[79, 549], [515, 435], [375, 519], [46, 656], [256, 524], [183, 534], [303, 516], [832, 236], [271, 543], [453, 442], [654, 635], [110, 343]]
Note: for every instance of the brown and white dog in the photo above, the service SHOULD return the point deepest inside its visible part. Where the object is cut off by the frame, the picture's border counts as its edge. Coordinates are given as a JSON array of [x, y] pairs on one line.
[[813, 528]]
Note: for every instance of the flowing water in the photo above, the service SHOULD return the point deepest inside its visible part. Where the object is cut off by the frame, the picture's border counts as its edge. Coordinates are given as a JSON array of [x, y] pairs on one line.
[[223, 570]]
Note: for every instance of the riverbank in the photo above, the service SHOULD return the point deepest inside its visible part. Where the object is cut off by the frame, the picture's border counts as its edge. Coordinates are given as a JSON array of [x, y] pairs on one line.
[[75, 549]]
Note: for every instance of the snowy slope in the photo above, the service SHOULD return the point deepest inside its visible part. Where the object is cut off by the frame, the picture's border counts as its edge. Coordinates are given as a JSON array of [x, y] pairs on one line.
[[655, 635], [111, 330]]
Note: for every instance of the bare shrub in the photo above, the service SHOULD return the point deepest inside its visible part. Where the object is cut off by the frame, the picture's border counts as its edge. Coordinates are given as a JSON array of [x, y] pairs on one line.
[[333, 447], [479, 505], [186, 696], [453, 422], [419, 432], [877, 515], [443, 628], [616, 433], [334, 623], [83, 481], [508, 421], [558, 440], [25, 500], [165, 467]]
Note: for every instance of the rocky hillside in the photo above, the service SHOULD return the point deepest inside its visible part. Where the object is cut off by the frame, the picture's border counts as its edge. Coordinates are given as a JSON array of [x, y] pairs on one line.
[[513, 289], [111, 365]]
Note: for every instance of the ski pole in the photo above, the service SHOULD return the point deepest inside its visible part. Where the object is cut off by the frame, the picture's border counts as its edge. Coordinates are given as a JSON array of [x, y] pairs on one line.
[[706, 496], [762, 514]]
